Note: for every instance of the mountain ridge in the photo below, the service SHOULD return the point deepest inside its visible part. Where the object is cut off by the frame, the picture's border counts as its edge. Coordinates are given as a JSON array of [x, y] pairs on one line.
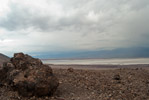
[[136, 52], [3, 58]]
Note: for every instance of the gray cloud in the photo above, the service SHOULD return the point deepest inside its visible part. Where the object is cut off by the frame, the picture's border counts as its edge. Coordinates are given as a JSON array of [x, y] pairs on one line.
[[22, 18], [47, 25]]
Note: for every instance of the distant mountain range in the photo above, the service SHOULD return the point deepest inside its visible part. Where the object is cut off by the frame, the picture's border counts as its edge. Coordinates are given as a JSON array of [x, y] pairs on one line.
[[137, 52], [3, 58]]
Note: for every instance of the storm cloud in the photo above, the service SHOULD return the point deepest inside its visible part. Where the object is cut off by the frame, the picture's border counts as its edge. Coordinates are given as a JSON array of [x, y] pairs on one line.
[[78, 25]]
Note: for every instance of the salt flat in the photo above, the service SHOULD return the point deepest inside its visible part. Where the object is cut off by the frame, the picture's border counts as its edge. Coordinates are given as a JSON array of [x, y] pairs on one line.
[[117, 61]]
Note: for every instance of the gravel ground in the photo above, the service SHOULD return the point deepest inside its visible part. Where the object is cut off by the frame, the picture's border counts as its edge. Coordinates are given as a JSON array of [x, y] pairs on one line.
[[80, 84]]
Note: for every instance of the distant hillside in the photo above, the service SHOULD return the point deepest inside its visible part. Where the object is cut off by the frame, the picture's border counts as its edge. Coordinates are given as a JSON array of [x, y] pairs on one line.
[[3, 58], [136, 52]]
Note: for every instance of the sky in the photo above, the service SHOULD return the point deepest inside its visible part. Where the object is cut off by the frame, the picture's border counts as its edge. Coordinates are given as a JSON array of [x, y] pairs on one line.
[[72, 25]]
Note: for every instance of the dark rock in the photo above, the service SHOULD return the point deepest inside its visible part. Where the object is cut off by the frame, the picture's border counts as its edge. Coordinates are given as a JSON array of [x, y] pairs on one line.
[[137, 68], [117, 77], [70, 70], [28, 76]]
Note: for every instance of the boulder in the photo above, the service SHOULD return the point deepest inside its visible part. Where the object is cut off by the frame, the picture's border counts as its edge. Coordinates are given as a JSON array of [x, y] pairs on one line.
[[28, 76]]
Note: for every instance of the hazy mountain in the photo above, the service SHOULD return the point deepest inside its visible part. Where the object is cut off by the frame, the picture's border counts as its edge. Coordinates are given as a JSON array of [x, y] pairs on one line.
[[3, 58], [137, 52]]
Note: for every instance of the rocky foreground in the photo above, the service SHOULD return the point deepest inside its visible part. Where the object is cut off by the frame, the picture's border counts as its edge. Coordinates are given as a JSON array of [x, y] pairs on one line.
[[118, 84], [26, 78]]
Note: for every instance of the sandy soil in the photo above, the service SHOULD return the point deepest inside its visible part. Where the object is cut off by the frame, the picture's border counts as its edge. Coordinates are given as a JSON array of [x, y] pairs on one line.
[[77, 83]]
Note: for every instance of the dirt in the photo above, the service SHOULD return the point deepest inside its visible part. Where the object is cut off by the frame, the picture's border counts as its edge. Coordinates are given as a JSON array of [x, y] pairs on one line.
[[80, 84]]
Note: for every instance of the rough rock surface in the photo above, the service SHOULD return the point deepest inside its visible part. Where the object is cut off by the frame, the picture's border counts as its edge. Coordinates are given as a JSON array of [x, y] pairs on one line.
[[28, 76]]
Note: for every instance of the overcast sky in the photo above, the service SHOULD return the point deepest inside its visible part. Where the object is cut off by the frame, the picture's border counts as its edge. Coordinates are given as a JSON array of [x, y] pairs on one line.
[[72, 25]]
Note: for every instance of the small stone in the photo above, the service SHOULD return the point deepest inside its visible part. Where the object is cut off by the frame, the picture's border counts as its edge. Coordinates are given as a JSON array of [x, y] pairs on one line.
[[117, 77], [70, 70]]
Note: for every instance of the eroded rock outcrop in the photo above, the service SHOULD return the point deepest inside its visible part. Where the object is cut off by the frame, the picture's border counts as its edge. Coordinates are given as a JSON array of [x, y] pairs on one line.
[[28, 76]]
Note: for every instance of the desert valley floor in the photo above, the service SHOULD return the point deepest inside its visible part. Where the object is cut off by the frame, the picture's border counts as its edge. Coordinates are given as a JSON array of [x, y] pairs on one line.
[[128, 83]]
